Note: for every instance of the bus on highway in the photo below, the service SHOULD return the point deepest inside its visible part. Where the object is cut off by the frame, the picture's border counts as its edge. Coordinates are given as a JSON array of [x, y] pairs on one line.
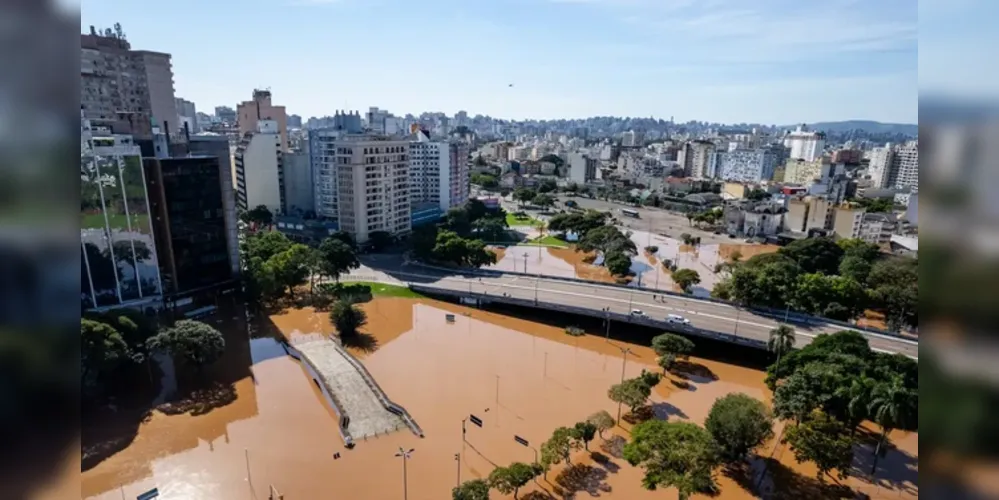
[[629, 212]]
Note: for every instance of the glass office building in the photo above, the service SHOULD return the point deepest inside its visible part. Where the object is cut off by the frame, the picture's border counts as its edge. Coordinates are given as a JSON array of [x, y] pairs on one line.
[[119, 265]]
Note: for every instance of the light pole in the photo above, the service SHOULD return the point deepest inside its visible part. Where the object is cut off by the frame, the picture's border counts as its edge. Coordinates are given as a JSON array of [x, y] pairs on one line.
[[525, 262], [624, 361], [737, 312], [607, 319], [457, 459], [405, 456], [537, 280]]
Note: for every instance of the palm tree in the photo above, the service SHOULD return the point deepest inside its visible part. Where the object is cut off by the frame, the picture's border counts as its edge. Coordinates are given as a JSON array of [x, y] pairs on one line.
[[781, 341], [891, 405]]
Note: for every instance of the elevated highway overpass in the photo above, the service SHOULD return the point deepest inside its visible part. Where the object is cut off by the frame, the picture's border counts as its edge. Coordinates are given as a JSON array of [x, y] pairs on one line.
[[707, 318]]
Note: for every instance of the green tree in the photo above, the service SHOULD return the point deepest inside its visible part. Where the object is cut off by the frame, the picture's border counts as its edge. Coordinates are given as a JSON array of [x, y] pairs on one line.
[[892, 405], [855, 267], [602, 421], [617, 263], [524, 195], [632, 393], [816, 292], [811, 387], [423, 240], [670, 347], [510, 479], [815, 255], [584, 432], [822, 440], [485, 181], [265, 245], [456, 219], [781, 341], [491, 229], [722, 290], [543, 200], [347, 318], [686, 278], [475, 489], [380, 240], [290, 268], [768, 283], [739, 424], [605, 239], [558, 448], [102, 351], [260, 214], [856, 247], [847, 348], [677, 455], [193, 342], [894, 286], [547, 186]]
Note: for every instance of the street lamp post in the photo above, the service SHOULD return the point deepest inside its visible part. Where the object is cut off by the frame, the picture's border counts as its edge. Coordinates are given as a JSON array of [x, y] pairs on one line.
[[525, 262], [607, 319], [624, 361], [738, 311], [457, 459], [405, 454]]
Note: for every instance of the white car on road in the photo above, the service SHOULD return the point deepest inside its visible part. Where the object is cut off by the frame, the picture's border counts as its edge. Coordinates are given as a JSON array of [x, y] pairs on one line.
[[677, 319], [637, 312]]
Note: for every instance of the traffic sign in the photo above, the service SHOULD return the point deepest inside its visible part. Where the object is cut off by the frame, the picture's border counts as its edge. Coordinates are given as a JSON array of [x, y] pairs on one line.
[[520, 440], [475, 420]]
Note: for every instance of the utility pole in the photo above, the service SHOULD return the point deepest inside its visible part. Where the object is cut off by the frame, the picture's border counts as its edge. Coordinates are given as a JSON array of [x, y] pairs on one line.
[[738, 311], [457, 459]]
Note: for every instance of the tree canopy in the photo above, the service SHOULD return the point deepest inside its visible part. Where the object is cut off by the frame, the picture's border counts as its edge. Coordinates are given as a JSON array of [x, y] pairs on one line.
[[511, 478], [677, 455], [475, 489], [558, 447], [814, 255], [739, 424], [192, 342], [602, 421], [823, 441], [670, 347], [347, 318], [685, 278]]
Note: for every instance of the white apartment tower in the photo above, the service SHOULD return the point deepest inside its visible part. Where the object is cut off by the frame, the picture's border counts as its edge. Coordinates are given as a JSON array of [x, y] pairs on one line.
[[895, 166], [804, 144], [372, 185], [438, 172], [696, 159], [259, 169]]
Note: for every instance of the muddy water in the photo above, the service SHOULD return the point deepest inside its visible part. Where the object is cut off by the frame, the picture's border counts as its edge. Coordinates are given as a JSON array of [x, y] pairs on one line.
[[278, 430]]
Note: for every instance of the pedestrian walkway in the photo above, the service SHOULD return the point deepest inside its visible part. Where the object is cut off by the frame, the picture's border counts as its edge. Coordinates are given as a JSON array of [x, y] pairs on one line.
[[356, 397]]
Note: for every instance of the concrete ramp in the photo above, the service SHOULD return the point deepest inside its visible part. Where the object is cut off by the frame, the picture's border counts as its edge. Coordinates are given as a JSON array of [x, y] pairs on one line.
[[359, 397]]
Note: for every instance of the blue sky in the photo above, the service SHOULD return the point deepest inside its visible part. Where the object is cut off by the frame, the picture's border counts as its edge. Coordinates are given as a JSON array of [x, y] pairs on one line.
[[769, 61]]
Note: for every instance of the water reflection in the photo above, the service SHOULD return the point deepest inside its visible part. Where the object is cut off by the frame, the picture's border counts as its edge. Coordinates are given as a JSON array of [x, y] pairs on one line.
[[118, 252]]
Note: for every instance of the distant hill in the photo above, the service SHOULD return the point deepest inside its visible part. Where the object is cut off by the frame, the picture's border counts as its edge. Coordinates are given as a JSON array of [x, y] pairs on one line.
[[868, 126]]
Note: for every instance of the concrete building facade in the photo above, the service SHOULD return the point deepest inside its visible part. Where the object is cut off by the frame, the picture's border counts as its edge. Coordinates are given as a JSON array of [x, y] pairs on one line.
[[372, 183], [260, 169], [299, 194], [125, 91], [804, 144], [747, 165], [847, 221], [248, 113], [438, 172], [582, 168]]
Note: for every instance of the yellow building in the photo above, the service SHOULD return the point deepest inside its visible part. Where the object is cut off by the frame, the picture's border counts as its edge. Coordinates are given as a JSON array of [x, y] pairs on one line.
[[801, 172], [736, 190]]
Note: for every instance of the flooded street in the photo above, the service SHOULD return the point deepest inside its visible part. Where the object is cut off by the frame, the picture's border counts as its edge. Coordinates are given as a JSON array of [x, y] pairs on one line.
[[523, 378]]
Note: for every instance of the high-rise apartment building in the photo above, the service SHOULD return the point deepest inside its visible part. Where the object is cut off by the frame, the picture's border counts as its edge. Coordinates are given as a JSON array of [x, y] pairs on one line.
[[747, 165], [804, 144], [372, 185], [696, 160], [260, 169], [582, 168], [125, 91], [248, 113], [298, 188], [118, 254], [438, 172], [194, 223], [628, 139], [847, 221], [802, 172], [905, 166], [323, 158], [895, 166]]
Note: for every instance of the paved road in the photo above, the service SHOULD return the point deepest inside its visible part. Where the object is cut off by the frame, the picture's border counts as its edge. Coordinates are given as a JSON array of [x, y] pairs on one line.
[[702, 314]]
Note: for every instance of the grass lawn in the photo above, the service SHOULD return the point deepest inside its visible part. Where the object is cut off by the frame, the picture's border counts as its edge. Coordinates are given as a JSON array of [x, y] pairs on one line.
[[383, 290], [512, 220], [551, 241]]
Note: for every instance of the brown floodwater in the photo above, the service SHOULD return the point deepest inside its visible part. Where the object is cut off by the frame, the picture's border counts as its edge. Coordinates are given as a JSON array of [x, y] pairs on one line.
[[279, 432]]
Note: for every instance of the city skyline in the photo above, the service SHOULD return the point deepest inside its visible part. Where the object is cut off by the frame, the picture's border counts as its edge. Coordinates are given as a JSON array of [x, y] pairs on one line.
[[711, 60]]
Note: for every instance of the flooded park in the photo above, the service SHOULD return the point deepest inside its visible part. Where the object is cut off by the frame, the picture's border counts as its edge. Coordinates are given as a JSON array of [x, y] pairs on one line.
[[263, 426]]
